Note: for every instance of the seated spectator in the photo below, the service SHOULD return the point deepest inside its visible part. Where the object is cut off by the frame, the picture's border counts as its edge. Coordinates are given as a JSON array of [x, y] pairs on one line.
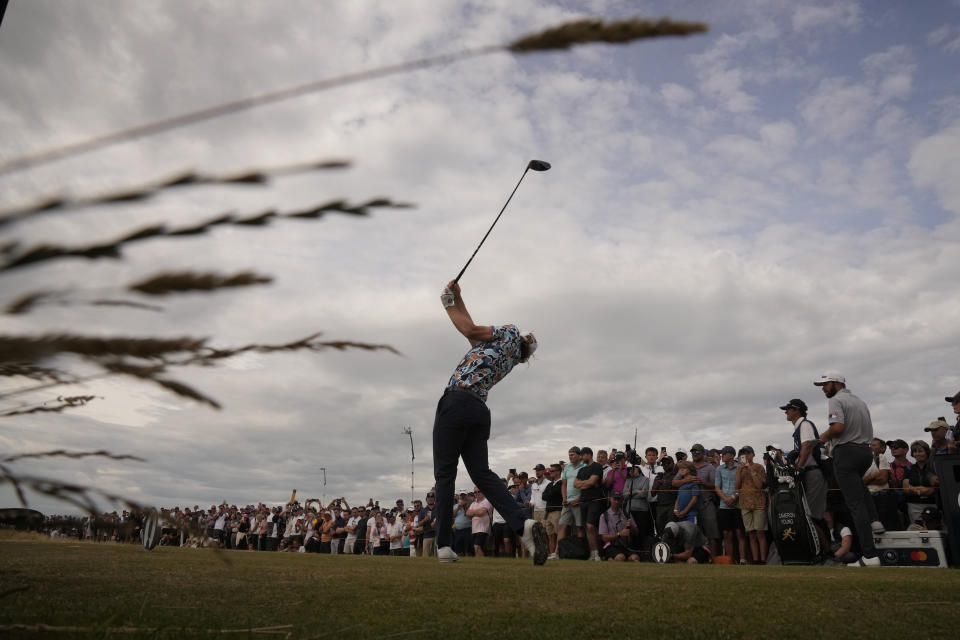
[[615, 530], [921, 482], [685, 508], [929, 520], [844, 548]]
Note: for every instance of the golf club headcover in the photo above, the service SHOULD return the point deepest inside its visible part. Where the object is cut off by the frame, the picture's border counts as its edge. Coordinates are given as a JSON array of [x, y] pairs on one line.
[[447, 298]]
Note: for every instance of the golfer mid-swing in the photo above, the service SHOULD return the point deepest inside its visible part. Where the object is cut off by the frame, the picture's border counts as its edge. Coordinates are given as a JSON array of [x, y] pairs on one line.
[[462, 425]]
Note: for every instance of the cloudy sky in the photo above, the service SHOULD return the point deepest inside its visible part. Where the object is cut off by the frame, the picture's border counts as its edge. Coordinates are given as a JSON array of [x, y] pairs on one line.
[[728, 215]]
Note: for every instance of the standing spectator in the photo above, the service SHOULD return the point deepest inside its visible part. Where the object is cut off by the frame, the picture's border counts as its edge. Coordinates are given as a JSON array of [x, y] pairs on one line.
[[462, 525], [954, 401], [750, 483], [571, 516], [616, 475], [685, 508], [650, 468], [350, 540], [481, 512], [427, 531], [636, 495], [806, 444], [537, 502], [705, 478], [665, 493], [462, 425], [898, 471], [379, 536], [728, 514], [877, 481], [410, 529], [921, 482], [589, 481], [850, 433], [395, 534], [553, 498], [373, 514], [615, 529], [502, 535], [939, 445]]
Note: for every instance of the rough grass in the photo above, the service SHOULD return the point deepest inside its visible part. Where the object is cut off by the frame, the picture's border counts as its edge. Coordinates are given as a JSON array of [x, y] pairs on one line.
[[108, 590]]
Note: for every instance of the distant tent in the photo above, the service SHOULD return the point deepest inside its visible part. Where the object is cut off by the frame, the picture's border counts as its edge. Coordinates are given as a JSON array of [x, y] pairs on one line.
[[23, 519]]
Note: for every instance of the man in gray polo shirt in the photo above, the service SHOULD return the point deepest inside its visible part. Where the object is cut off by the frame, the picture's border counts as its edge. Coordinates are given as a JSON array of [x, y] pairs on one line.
[[851, 431]]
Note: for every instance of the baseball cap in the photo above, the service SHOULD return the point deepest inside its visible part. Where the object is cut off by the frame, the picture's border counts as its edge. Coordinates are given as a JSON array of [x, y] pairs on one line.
[[697, 448], [938, 424], [539, 467], [953, 398], [900, 444], [830, 376], [681, 451], [746, 449], [796, 403], [729, 449], [619, 455]]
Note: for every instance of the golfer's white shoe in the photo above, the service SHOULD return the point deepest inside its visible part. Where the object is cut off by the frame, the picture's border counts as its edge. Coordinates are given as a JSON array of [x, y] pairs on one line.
[[534, 538], [877, 527], [866, 562], [446, 554]]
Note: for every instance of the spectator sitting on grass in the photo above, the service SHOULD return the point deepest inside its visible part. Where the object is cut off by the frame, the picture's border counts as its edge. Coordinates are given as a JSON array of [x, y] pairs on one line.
[[685, 508], [844, 547], [615, 530]]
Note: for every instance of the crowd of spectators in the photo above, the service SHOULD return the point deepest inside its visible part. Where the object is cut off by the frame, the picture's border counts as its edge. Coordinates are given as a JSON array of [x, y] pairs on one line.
[[611, 505]]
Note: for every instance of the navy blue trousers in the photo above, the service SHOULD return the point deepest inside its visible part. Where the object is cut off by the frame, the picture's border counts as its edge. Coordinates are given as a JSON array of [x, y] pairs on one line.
[[461, 430]]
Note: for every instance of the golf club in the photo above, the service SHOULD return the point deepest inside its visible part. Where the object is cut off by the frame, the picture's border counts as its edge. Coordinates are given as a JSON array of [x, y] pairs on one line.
[[536, 165]]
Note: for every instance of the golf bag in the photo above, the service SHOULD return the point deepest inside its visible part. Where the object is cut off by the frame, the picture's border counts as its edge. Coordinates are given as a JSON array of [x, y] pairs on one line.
[[791, 528]]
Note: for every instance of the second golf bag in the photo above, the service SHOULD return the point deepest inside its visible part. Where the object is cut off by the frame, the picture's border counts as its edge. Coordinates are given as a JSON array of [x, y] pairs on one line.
[[792, 530]]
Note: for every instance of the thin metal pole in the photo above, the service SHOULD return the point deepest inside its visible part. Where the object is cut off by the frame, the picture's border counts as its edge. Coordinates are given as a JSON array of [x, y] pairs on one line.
[[408, 431]]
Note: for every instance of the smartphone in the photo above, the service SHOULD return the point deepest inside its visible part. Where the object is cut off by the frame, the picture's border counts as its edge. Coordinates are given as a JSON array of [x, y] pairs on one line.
[[743, 459], [513, 472], [663, 449]]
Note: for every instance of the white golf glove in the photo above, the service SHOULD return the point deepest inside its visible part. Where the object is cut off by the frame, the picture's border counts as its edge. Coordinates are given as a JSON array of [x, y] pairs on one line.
[[447, 298]]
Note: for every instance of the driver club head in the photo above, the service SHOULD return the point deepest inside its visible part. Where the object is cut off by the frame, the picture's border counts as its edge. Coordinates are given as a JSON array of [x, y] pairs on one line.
[[538, 165]]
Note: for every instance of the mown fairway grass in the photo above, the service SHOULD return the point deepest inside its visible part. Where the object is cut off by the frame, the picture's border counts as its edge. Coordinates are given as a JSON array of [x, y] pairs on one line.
[[116, 591]]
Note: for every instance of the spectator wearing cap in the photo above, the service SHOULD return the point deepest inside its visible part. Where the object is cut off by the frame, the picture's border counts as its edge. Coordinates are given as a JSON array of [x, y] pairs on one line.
[[728, 514], [688, 495], [877, 481], [615, 477], [426, 528], [537, 485], [807, 457], [570, 515], [395, 534], [751, 482], [553, 498], [849, 434], [687, 543], [524, 497], [590, 482], [921, 481], [615, 530], [954, 401], [939, 445], [680, 455], [898, 471], [350, 540], [462, 525], [929, 520], [705, 478]]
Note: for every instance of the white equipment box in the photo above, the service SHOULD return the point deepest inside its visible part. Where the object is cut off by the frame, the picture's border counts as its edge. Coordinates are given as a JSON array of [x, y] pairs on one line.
[[912, 548]]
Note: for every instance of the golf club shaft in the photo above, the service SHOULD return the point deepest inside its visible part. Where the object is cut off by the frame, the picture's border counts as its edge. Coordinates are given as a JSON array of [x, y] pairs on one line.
[[457, 279]]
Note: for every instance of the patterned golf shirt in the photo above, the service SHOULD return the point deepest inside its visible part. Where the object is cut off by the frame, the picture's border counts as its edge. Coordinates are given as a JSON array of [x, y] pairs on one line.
[[487, 363]]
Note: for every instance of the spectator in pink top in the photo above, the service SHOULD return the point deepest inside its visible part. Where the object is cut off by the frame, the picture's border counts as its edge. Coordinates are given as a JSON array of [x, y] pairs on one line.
[[481, 512]]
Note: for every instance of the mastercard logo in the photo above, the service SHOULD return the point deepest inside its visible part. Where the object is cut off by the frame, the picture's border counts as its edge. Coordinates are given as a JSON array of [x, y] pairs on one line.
[[918, 556]]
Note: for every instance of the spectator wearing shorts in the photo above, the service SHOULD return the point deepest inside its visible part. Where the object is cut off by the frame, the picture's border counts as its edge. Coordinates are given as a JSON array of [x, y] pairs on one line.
[[570, 515], [481, 513], [751, 485], [553, 497], [728, 514], [590, 482]]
